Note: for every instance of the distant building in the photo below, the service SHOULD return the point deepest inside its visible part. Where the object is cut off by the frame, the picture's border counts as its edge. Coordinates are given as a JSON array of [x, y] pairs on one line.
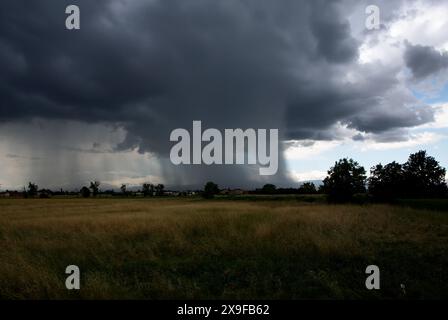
[[232, 192], [11, 194], [171, 193]]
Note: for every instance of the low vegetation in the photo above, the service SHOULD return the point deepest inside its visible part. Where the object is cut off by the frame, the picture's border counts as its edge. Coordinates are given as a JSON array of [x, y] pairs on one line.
[[193, 248]]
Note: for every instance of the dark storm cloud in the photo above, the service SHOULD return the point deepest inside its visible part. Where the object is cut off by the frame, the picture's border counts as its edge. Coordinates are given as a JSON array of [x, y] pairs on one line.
[[153, 66], [358, 137], [424, 60], [398, 135], [374, 103], [332, 35]]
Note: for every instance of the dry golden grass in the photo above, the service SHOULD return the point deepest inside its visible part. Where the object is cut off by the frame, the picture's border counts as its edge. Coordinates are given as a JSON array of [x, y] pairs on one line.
[[190, 248]]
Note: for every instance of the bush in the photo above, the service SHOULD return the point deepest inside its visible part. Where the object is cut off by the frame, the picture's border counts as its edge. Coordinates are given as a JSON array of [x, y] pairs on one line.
[[85, 192], [210, 190], [269, 189]]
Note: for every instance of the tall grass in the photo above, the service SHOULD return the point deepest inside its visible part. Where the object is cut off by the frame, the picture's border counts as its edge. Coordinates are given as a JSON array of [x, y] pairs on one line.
[[195, 249]]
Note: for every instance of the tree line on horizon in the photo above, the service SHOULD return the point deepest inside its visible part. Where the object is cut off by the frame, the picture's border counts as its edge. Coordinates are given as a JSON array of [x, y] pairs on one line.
[[148, 190], [421, 176], [92, 190]]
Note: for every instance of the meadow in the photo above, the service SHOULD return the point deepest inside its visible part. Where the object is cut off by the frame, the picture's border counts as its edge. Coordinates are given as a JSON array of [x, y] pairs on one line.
[[219, 249]]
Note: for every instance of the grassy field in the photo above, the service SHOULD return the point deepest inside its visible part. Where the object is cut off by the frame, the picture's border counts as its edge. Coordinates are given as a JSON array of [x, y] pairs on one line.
[[192, 248]]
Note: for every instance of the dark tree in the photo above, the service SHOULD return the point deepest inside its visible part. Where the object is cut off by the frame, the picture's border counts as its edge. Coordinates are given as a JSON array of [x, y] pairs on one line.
[[148, 189], [85, 192], [95, 187], [387, 182], [210, 190], [423, 176], [307, 188], [159, 189], [32, 189], [344, 180], [269, 189], [123, 189]]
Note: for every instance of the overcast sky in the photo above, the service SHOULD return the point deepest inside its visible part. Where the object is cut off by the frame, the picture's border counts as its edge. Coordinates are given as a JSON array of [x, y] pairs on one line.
[[100, 102]]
